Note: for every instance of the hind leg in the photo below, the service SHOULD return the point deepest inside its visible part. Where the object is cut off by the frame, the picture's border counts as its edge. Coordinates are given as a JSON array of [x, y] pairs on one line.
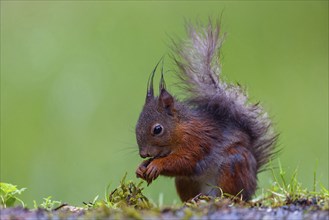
[[239, 174], [187, 188]]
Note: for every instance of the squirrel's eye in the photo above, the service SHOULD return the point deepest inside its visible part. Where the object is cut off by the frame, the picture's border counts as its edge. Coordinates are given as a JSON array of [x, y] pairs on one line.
[[157, 129]]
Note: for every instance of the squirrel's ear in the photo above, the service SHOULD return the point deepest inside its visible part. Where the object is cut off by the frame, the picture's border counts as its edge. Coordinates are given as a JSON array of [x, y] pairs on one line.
[[166, 101]]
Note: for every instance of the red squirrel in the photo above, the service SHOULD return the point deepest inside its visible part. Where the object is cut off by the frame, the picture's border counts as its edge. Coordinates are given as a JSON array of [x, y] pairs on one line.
[[214, 140]]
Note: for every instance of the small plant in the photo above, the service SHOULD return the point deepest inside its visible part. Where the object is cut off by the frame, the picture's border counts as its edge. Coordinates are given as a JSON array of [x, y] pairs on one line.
[[95, 203], [8, 195], [47, 204]]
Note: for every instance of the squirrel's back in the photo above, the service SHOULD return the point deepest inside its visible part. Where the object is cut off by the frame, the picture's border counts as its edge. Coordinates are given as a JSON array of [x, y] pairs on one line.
[[228, 104]]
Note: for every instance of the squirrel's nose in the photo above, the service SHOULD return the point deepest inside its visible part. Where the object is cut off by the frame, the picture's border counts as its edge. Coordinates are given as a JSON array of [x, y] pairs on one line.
[[144, 154]]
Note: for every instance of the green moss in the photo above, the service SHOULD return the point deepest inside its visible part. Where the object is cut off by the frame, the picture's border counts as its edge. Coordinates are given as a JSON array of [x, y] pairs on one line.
[[128, 194]]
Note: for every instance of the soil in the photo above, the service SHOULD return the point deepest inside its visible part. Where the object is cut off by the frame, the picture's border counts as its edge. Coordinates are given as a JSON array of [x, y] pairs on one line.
[[219, 211]]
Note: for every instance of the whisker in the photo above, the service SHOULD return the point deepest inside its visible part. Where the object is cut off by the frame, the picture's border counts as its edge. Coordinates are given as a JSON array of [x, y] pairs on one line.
[[131, 129], [128, 150]]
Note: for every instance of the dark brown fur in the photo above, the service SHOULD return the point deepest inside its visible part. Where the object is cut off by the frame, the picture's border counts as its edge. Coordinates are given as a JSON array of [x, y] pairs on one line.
[[214, 138]]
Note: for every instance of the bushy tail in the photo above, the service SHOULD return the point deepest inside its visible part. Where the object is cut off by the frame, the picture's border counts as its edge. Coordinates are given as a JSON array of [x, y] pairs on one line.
[[200, 70]]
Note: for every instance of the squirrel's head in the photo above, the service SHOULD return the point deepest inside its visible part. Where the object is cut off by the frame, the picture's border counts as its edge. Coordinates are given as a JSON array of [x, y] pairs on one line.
[[156, 123]]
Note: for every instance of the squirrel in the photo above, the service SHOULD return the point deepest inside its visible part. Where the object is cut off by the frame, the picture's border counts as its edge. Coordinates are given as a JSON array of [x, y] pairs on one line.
[[214, 140]]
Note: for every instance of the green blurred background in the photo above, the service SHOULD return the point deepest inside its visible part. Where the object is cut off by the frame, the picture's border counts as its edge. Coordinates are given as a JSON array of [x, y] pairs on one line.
[[73, 77]]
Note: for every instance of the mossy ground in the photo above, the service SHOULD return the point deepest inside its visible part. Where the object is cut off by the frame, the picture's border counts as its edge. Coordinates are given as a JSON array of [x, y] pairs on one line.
[[284, 200]]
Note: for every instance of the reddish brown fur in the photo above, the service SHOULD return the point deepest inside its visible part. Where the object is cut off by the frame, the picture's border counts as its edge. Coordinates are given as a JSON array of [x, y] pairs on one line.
[[187, 189], [188, 147], [238, 175]]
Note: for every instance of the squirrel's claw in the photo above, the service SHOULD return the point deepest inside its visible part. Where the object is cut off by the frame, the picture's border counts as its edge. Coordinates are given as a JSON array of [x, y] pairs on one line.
[[140, 172], [148, 170], [151, 173]]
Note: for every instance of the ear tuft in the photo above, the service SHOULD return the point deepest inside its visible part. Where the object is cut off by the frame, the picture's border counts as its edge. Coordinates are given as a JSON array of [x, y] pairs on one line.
[[166, 101]]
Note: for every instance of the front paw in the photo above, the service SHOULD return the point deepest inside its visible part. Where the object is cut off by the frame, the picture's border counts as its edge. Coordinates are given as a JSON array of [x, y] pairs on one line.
[[140, 172], [152, 171]]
